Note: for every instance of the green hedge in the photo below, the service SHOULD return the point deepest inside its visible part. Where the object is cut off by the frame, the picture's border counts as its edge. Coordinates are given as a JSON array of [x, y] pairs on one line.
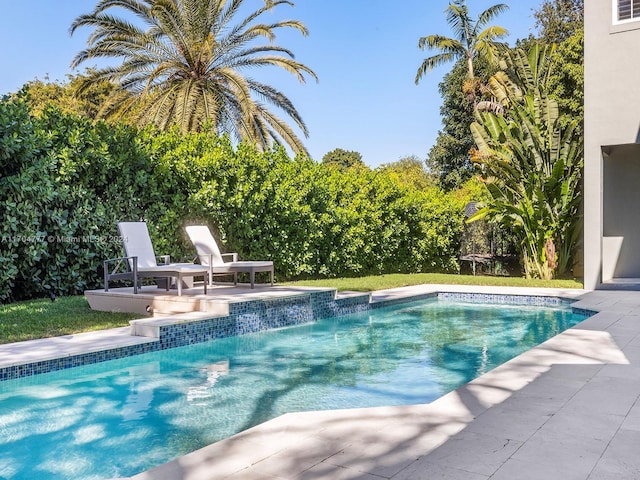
[[311, 219], [66, 182]]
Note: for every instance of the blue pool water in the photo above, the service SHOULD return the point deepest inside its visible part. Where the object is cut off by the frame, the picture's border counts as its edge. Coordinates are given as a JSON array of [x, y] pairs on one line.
[[124, 416]]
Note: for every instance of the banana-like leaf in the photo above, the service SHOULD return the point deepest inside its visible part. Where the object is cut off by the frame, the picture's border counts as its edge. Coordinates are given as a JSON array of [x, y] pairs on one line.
[[531, 164], [479, 215]]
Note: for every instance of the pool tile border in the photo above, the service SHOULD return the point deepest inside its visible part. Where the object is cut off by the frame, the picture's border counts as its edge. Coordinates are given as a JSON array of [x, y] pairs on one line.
[[257, 315], [14, 372]]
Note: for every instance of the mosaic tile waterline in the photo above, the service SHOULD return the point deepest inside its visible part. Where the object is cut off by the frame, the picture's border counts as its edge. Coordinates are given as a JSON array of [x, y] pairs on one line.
[[259, 315]]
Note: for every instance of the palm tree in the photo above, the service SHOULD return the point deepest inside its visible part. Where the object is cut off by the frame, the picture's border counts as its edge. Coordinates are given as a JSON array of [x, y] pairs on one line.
[[184, 61], [469, 41], [532, 164]]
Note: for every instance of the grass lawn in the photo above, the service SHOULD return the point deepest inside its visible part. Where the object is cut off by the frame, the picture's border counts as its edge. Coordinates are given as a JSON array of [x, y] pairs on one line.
[[43, 318], [381, 282]]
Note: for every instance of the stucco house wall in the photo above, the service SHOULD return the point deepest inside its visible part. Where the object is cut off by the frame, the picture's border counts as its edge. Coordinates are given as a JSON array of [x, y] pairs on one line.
[[612, 150]]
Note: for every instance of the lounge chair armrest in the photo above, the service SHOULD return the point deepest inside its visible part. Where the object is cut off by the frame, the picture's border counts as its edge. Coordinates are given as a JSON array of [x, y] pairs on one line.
[[118, 262], [122, 270], [164, 259], [234, 256]]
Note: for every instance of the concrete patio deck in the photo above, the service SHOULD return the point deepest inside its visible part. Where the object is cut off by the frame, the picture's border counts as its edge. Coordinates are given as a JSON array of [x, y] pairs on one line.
[[154, 301], [567, 409]]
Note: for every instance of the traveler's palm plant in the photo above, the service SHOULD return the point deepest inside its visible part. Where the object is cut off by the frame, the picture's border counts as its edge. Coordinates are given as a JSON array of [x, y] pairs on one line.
[[531, 164], [184, 61]]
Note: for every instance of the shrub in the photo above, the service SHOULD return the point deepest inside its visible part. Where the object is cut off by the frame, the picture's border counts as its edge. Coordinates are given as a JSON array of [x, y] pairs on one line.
[[66, 182]]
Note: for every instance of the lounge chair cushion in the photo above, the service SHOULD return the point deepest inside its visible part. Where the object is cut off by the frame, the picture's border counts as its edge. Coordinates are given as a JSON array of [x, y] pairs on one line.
[[209, 253], [206, 245], [137, 243]]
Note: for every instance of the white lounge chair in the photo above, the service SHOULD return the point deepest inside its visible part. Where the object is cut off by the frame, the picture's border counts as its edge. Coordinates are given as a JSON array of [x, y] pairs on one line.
[[210, 255], [141, 260]]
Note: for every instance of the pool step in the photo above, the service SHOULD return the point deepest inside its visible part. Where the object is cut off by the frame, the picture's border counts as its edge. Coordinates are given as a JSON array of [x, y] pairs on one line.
[[150, 327], [352, 294]]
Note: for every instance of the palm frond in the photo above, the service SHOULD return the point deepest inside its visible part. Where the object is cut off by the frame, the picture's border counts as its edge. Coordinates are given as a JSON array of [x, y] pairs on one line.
[[457, 15], [489, 14], [183, 62], [432, 62], [469, 40], [491, 34]]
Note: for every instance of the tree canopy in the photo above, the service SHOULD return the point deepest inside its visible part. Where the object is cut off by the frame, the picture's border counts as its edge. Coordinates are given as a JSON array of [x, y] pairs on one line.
[[71, 96], [558, 20], [472, 39], [409, 171], [343, 159], [184, 62], [449, 158], [562, 22]]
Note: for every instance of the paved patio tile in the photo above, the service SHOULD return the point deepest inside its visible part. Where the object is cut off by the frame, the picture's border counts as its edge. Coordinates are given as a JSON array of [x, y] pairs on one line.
[[425, 470], [632, 351], [569, 456], [606, 395], [625, 330], [248, 474], [508, 423], [386, 452], [629, 321], [600, 321], [291, 462], [498, 385], [462, 404], [632, 421], [325, 471], [31, 351], [579, 347], [557, 391], [630, 372], [474, 452], [215, 461], [394, 442], [541, 469], [621, 460], [277, 433], [455, 408], [380, 459], [622, 336], [596, 425], [578, 373], [534, 404]]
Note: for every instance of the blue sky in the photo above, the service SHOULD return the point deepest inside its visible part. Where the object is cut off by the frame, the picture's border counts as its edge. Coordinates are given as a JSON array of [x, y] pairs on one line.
[[364, 52]]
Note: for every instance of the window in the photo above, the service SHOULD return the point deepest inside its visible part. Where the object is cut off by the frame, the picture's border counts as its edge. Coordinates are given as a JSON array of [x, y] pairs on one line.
[[626, 10]]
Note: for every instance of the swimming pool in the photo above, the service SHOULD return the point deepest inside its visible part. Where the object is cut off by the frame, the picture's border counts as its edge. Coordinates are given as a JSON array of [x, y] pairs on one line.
[[124, 416]]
